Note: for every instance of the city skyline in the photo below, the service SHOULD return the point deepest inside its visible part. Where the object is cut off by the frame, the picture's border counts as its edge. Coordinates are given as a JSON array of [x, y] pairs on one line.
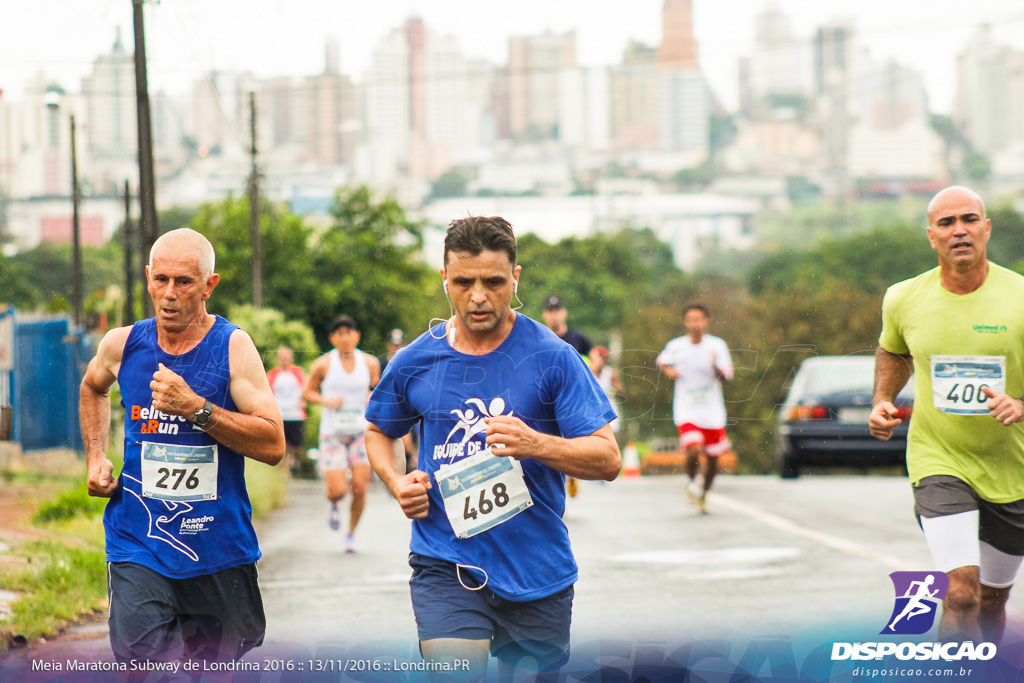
[[189, 38]]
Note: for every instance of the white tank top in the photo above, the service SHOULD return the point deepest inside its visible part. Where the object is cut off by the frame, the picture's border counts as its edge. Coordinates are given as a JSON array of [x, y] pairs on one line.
[[354, 389]]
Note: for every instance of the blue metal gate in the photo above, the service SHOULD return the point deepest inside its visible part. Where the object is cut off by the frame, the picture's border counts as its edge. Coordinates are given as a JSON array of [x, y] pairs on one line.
[[48, 368]]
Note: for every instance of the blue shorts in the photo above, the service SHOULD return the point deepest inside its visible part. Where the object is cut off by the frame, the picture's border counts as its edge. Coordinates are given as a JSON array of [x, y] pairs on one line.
[[445, 609], [213, 617]]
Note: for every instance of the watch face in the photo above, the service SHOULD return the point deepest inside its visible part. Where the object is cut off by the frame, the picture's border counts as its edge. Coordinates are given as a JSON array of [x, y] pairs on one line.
[[203, 415]]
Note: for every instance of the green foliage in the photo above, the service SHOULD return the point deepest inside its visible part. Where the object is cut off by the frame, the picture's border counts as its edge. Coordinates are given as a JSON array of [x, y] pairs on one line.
[[1006, 245], [69, 505], [267, 487], [270, 330], [284, 241], [599, 277], [367, 266], [42, 275], [60, 584], [15, 286], [870, 261], [976, 166], [694, 179], [449, 184]]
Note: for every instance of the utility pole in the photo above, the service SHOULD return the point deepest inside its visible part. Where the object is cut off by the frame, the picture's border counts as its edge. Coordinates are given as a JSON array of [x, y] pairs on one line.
[[76, 234], [148, 229], [129, 275], [254, 211]]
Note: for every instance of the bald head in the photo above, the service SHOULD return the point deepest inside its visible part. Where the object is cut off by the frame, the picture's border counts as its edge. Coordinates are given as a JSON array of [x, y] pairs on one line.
[[955, 194], [186, 242]]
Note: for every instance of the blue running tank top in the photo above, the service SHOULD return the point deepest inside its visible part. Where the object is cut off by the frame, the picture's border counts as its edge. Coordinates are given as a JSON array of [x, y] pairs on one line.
[[181, 507]]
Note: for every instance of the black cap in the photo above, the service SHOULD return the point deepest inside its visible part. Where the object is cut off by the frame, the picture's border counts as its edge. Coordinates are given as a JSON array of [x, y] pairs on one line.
[[552, 302]]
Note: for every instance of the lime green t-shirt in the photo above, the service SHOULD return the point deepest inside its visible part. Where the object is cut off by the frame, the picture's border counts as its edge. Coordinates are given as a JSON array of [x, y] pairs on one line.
[[960, 343]]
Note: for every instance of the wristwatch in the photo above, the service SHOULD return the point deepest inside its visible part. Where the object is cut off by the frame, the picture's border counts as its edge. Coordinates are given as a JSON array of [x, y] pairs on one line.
[[201, 418]]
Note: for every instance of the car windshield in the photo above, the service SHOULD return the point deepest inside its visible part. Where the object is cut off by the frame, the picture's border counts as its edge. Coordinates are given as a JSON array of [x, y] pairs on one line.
[[849, 374]]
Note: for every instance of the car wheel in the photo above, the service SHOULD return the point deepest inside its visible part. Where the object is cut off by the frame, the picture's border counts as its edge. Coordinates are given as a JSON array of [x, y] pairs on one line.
[[790, 468]]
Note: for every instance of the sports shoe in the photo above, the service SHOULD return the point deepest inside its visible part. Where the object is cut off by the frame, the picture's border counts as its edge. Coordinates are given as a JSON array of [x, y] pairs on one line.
[[333, 517], [573, 486], [693, 493], [350, 543], [702, 505]]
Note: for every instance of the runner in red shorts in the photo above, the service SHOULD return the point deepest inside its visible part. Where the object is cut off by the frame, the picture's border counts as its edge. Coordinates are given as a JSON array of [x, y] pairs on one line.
[[698, 363]]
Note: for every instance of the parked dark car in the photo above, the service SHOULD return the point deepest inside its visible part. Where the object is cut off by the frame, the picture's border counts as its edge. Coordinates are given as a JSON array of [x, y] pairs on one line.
[[824, 421]]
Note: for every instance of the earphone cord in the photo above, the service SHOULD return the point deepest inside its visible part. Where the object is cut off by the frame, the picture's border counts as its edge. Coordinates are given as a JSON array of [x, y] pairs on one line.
[[451, 309]]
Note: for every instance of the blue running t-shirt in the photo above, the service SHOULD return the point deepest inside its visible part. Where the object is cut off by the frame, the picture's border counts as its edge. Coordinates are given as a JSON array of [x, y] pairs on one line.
[[181, 507], [532, 375]]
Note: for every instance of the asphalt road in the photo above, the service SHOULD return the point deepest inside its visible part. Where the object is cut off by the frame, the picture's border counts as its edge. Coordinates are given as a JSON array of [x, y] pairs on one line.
[[773, 559]]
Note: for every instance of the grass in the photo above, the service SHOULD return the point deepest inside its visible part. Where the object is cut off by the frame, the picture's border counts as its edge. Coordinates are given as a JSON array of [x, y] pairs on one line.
[[59, 584], [65, 576]]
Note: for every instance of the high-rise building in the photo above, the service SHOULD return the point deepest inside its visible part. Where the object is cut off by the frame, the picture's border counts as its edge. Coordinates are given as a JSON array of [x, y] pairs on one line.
[[678, 48], [989, 104], [779, 67], [109, 93], [634, 98], [417, 124], [584, 118], [684, 102], [534, 67], [835, 69]]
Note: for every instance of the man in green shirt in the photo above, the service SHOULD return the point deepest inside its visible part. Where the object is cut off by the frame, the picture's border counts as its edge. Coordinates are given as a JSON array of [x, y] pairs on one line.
[[959, 329]]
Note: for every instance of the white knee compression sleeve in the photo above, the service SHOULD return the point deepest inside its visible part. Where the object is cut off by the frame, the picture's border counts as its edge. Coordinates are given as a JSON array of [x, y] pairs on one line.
[[953, 540]]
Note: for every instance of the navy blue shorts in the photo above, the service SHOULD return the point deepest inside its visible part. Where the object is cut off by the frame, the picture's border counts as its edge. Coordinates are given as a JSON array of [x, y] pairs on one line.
[[215, 617], [445, 609]]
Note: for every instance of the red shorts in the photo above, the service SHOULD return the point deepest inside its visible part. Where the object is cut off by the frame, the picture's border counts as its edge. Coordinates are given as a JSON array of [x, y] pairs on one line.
[[714, 441]]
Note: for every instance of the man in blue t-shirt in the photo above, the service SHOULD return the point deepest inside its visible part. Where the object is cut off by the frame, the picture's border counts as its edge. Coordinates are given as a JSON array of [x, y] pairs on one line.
[[504, 410]]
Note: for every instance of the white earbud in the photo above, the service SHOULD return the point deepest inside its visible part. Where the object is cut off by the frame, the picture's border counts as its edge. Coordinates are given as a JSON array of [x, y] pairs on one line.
[[451, 330], [515, 286], [445, 285]]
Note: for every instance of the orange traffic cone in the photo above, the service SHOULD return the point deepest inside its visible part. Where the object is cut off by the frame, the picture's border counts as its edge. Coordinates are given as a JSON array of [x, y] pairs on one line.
[[630, 462]]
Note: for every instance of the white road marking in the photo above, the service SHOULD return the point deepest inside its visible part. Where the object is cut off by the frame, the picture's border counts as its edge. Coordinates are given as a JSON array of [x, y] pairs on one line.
[[835, 542]]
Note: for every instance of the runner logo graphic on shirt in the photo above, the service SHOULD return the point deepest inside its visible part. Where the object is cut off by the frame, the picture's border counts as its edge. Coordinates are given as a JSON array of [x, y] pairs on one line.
[[470, 423], [918, 595]]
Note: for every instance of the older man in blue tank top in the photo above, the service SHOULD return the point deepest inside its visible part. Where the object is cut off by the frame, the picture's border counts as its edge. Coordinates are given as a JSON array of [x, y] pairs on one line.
[[181, 549]]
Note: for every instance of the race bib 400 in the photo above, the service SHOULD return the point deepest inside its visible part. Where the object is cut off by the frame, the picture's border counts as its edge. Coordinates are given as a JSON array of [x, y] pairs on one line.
[[957, 382]]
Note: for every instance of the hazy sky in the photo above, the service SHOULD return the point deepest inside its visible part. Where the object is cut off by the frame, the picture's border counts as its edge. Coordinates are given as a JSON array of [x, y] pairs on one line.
[[274, 37]]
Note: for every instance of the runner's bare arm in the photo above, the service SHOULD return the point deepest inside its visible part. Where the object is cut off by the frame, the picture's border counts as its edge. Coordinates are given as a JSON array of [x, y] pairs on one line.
[[256, 429], [410, 490], [373, 365], [94, 411], [892, 370], [316, 377], [669, 370], [595, 456]]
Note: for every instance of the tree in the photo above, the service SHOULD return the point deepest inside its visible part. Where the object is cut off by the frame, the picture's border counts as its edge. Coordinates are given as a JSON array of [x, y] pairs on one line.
[[270, 330], [599, 277], [371, 259], [869, 261], [449, 184], [46, 270], [285, 239]]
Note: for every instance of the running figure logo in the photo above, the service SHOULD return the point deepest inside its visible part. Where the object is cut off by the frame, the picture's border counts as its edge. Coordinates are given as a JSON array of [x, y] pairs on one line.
[[918, 595]]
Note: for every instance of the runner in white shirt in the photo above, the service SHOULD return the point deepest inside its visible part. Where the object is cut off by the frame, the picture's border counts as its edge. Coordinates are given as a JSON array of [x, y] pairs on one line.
[[340, 381], [699, 363]]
